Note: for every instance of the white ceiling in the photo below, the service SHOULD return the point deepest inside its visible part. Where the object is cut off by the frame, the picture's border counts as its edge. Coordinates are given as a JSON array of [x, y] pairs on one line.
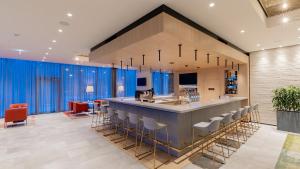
[[37, 22]]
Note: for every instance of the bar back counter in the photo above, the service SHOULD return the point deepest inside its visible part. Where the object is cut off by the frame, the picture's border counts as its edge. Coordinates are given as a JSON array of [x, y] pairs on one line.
[[179, 117]]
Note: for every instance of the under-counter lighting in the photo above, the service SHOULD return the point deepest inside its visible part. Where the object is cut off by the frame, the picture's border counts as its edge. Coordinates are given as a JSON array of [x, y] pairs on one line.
[[211, 4], [262, 49], [285, 19], [60, 30]]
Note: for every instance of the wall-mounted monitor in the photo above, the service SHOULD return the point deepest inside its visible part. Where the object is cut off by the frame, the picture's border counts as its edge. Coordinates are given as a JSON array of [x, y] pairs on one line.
[[141, 81], [188, 79]]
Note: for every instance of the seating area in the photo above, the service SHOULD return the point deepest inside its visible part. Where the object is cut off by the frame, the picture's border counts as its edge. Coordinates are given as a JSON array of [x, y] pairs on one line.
[[217, 139], [168, 84]]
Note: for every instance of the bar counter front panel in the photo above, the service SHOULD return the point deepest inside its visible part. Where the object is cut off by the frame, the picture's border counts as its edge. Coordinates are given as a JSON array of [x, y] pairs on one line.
[[179, 122]]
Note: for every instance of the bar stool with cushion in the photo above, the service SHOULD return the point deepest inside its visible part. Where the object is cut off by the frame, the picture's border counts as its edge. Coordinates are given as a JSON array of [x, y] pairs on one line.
[[257, 115], [109, 120], [153, 127], [246, 122], [225, 123], [133, 127], [251, 117], [96, 115], [236, 117], [205, 131], [120, 124]]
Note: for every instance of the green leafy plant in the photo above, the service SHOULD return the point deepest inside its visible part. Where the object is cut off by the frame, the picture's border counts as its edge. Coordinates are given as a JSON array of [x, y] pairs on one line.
[[286, 99]]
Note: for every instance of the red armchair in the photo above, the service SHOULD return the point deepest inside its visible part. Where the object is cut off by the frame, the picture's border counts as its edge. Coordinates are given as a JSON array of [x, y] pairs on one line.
[[80, 107], [16, 113]]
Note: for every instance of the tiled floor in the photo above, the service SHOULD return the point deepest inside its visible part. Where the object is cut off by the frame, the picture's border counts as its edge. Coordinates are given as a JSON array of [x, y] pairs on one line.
[[54, 141]]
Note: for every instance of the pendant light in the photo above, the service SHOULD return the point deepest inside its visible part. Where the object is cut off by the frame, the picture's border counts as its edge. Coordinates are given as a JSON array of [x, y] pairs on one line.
[[225, 63], [207, 58], [159, 55], [179, 49], [131, 62], [143, 59], [121, 64], [218, 61], [196, 54], [232, 65]]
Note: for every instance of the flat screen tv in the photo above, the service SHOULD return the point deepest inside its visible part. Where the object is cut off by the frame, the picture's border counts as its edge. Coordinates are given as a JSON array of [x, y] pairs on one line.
[[188, 79], [141, 81]]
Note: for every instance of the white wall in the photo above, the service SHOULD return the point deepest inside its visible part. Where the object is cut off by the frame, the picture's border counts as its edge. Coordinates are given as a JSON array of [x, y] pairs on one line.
[[148, 75], [269, 70]]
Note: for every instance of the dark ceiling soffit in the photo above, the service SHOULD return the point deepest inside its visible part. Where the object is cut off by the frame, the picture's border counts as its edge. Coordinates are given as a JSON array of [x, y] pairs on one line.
[[262, 7], [168, 10]]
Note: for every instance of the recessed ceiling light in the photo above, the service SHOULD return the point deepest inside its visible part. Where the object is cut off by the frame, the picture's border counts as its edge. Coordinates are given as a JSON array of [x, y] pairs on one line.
[[46, 53], [54, 41], [298, 29], [60, 30], [77, 58], [285, 19], [280, 46], [69, 14], [211, 4], [242, 31], [50, 48], [258, 45], [284, 5], [20, 51]]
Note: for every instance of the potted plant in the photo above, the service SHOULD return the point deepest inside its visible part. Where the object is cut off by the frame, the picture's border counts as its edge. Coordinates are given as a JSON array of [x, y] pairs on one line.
[[286, 102]]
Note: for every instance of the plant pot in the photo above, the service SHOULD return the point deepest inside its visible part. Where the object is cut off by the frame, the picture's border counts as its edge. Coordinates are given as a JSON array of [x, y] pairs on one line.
[[288, 121]]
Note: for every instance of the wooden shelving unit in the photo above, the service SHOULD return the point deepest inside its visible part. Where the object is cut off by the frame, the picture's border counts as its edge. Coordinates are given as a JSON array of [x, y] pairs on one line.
[[231, 84]]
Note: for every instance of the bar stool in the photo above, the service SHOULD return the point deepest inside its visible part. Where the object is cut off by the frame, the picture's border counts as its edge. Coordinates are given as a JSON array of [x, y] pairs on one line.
[[257, 115], [133, 127], [246, 120], [120, 124], [96, 115], [108, 120], [153, 126], [236, 117], [205, 131], [225, 125]]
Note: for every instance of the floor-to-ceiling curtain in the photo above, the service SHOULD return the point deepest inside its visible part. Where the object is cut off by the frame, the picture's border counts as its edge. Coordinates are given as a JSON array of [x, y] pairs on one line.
[[104, 81], [48, 87], [162, 83], [126, 82]]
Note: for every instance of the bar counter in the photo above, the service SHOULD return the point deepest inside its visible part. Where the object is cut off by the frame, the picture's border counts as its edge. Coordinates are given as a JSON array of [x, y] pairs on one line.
[[179, 117]]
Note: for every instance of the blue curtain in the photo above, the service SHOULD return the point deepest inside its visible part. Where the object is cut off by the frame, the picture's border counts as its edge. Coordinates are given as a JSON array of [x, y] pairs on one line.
[[126, 83], [48, 87], [162, 83]]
